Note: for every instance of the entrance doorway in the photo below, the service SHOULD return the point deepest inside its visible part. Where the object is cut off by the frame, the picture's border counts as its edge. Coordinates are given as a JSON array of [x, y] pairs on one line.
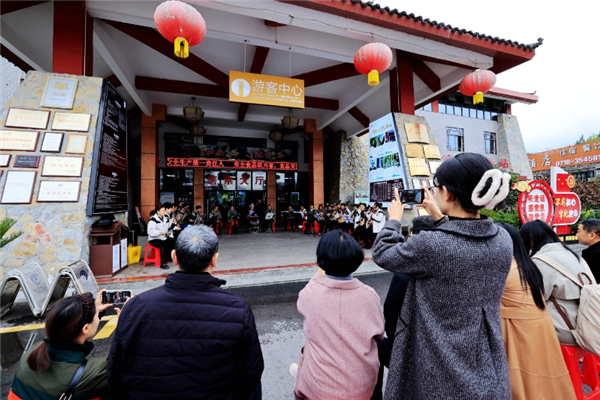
[[240, 199]]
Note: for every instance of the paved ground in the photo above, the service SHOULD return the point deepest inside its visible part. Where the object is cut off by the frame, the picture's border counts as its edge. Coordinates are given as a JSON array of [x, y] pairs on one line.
[[278, 322]]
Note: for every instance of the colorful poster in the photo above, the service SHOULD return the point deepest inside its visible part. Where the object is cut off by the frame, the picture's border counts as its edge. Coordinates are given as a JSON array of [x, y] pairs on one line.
[[386, 169]]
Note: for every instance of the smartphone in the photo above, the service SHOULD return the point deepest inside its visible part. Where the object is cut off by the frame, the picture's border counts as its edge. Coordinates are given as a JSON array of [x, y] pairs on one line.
[[412, 196], [115, 296]]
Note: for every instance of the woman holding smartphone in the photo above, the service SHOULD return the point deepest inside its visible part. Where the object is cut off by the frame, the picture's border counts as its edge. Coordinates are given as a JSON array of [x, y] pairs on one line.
[[448, 341]]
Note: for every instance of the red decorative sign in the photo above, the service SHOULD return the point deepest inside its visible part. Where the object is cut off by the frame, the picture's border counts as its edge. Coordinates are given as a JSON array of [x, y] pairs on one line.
[[231, 164], [538, 203], [567, 205]]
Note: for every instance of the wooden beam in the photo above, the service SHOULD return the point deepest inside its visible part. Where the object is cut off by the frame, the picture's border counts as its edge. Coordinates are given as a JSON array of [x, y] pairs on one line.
[[273, 24], [68, 37], [437, 96], [406, 83], [208, 90], [13, 58], [114, 80], [359, 116], [154, 40], [12, 6], [260, 56], [328, 74], [394, 91], [427, 75], [362, 133]]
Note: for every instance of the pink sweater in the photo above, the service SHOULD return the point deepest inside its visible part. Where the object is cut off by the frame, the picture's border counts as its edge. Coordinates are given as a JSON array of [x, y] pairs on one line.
[[342, 322]]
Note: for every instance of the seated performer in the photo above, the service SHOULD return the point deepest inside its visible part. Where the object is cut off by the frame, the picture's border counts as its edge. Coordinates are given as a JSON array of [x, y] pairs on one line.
[[253, 220], [303, 219], [343, 215], [269, 223], [361, 232], [159, 236], [290, 220], [233, 220], [198, 215], [310, 219], [215, 220]]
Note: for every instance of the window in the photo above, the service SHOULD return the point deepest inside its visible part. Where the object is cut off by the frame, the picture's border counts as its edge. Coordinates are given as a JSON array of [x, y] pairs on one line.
[[490, 143], [442, 108], [456, 138]]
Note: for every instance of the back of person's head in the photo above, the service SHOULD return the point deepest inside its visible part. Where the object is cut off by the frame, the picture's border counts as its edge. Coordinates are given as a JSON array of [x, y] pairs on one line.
[[167, 205], [591, 226], [195, 248], [529, 274], [536, 234], [423, 223], [198, 207], [338, 254], [463, 176], [64, 324]]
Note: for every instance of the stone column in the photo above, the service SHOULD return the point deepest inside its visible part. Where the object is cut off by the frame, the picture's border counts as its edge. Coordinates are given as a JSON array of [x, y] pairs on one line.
[[149, 171], [511, 146], [199, 188], [315, 162]]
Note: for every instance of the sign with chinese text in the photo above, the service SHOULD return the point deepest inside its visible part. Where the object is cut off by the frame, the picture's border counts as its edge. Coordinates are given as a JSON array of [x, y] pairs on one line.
[[18, 187], [167, 197], [244, 179], [71, 122], [231, 164], [268, 90], [584, 153], [259, 180], [25, 118], [27, 161], [18, 140], [538, 203], [59, 191], [418, 167], [59, 92], [229, 180], [211, 179], [567, 206], [62, 166], [184, 150], [416, 133]]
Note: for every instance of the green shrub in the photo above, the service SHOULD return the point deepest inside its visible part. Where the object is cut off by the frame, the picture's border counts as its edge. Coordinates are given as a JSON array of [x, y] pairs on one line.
[[510, 217], [5, 225]]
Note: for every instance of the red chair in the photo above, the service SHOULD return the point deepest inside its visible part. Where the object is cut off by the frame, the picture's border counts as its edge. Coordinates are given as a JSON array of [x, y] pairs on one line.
[[151, 257], [304, 226], [230, 226], [589, 376], [291, 225]]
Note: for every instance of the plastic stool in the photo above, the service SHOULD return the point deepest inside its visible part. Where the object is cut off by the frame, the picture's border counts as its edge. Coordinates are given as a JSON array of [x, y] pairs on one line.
[[304, 226], [153, 256], [589, 376], [291, 224]]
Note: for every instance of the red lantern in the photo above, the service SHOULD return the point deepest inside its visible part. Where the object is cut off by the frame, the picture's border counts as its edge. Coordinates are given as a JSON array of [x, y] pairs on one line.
[[476, 84], [180, 24], [372, 59]]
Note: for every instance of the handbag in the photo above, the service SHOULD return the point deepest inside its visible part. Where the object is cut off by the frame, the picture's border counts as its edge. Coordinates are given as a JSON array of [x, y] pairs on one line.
[[71, 389]]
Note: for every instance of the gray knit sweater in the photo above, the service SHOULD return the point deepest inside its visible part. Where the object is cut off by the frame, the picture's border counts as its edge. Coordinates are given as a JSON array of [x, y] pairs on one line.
[[449, 335]]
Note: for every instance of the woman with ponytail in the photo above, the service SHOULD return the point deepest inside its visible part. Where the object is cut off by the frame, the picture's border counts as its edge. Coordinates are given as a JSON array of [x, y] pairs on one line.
[[448, 342], [527, 329], [48, 369]]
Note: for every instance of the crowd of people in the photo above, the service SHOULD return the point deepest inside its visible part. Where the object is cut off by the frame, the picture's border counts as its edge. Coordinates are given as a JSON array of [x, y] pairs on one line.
[[475, 310]]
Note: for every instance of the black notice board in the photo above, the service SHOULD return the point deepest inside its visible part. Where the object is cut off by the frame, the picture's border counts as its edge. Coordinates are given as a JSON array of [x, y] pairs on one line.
[[108, 180]]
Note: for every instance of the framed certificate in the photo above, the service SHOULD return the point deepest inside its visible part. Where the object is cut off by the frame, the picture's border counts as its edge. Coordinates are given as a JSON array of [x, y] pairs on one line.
[[52, 142], [4, 160], [432, 151], [414, 151], [27, 161], [76, 144], [59, 192], [418, 167], [18, 187], [26, 118], [71, 122], [62, 166], [416, 133], [18, 140], [59, 93], [434, 165]]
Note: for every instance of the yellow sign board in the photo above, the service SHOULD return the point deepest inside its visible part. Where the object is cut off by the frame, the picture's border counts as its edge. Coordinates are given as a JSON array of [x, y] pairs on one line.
[[268, 90], [416, 133], [432, 151], [414, 151], [418, 167]]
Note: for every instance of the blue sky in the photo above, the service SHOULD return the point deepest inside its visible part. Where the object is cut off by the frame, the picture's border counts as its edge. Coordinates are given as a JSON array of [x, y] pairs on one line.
[[565, 73]]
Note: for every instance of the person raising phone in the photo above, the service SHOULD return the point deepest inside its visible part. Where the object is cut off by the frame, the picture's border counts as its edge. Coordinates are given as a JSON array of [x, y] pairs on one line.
[[449, 336]]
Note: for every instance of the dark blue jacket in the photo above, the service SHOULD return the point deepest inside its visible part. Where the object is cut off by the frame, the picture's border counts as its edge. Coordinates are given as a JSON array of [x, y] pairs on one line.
[[188, 339]]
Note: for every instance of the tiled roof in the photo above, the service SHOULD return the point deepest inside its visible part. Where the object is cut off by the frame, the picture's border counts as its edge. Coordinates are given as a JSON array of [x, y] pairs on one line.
[[427, 21]]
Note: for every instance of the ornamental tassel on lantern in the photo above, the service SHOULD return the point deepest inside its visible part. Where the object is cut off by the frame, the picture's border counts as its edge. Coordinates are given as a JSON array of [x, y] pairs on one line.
[[371, 60], [182, 47], [180, 24], [476, 84]]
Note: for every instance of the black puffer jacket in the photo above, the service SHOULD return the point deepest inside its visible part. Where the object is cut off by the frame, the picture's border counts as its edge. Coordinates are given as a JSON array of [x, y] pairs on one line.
[[188, 339]]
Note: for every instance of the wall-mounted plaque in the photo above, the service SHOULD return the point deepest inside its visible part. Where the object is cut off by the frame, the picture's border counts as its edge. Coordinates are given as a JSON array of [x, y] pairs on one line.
[[18, 187], [416, 133], [432, 151], [71, 122], [59, 92], [425, 183], [27, 161], [62, 166], [416, 184], [76, 144], [418, 167], [414, 151], [18, 140], [52, 142], [4, 160], [59, 191], [421, 212], [434, 165], [26, 118], [431, 183]]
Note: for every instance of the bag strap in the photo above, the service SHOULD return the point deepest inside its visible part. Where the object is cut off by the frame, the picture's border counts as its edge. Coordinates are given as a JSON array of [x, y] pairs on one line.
[[562, 313], [558, 267], [71, 389]]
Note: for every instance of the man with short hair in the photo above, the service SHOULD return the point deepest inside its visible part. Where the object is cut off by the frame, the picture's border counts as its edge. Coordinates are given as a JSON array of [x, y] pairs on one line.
[[588, 234], [188, 339]]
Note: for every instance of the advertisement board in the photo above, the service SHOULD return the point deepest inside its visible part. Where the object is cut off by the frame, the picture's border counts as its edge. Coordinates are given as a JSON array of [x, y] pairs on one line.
[[386, 169], [579, 154]]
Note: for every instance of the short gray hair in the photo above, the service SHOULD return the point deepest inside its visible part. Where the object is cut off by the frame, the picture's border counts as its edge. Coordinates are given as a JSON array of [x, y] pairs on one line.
[[195, 248]]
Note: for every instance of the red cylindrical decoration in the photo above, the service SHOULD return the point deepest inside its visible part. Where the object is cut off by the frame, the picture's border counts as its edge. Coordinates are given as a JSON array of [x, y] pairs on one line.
[[476, 84], [372, 59], [180, 24]]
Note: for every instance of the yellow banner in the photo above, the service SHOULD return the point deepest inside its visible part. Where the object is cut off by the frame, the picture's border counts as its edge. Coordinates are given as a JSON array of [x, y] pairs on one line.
[[268, 90]]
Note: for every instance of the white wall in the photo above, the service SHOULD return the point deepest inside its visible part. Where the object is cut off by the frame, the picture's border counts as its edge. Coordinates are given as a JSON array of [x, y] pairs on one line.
[[473, 131]]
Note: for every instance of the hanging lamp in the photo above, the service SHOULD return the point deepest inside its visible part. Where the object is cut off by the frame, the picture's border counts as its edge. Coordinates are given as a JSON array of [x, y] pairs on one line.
[[192, 112]]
